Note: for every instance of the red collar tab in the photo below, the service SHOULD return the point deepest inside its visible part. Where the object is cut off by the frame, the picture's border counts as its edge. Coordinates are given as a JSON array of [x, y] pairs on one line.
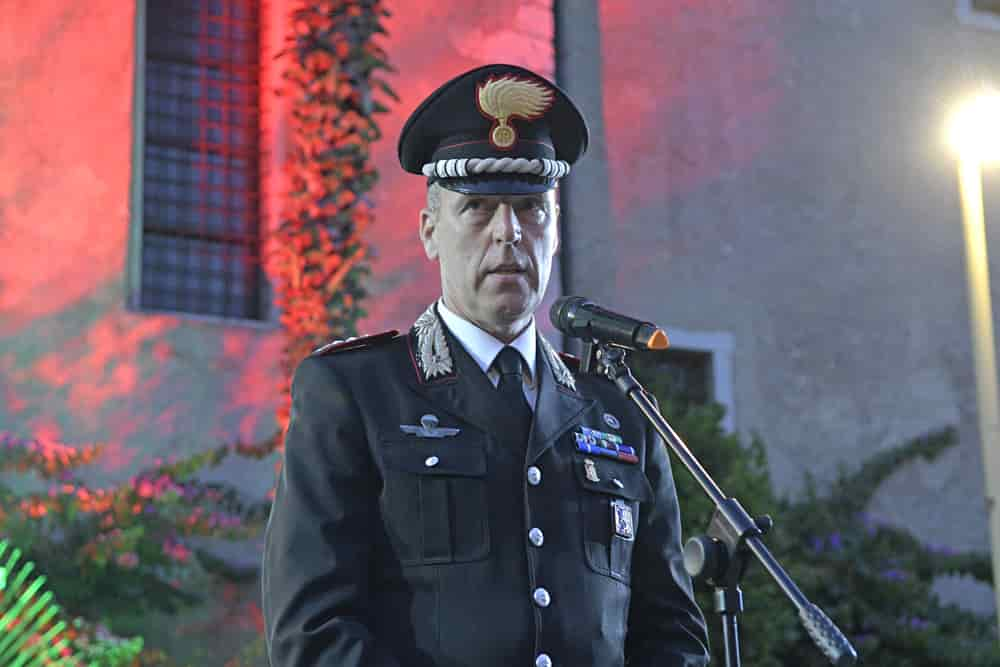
[[354, 343]]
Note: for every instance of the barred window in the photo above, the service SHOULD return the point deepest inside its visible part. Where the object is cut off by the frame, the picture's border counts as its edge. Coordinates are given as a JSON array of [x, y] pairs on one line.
[[684, 375], [696, 369], [991, 6], [979, 13], [200, 181]]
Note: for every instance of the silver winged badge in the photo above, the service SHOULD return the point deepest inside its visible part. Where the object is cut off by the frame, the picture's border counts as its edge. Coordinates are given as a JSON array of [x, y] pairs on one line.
[[429, 428]]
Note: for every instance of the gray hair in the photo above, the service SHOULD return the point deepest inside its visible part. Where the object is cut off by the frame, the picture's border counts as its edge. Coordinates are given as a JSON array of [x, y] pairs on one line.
[[434, 198]]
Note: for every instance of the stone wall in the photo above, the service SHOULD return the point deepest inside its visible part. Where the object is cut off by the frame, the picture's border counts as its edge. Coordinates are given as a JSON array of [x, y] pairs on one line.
[[778, 176]]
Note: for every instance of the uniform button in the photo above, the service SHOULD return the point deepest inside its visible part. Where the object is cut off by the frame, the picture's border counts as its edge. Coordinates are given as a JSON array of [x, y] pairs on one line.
[[534, 476], [431, 461], [542, 597], [543, 660], [536, 536]]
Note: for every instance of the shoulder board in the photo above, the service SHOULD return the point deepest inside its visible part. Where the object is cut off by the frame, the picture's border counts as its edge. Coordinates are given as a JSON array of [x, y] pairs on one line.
[[354, 342], [571, 361]]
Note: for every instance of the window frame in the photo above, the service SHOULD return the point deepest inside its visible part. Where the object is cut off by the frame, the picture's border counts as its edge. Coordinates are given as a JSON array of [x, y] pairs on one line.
[[968, 15], [134, 268], [719, 347]]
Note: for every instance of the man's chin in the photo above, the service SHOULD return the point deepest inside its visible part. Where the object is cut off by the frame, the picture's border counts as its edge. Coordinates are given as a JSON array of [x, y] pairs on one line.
[[511, 307]]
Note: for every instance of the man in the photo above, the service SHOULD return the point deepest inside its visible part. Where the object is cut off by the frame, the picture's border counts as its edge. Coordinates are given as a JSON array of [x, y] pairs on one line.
[[440, 503]]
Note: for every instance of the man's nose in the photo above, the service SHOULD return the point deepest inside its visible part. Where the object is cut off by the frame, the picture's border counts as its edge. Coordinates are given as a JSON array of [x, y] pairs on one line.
[[506, 226]]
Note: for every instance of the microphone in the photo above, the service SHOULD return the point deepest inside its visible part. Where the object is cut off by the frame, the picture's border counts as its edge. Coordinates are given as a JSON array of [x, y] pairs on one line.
[[579, 318]]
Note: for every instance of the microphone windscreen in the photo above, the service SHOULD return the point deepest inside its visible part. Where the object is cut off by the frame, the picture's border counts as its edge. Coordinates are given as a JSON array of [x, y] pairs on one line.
[[559, 313]]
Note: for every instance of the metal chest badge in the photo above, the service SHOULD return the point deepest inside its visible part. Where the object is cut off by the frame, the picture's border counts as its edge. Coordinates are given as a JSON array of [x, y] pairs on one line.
[[622, 520], [590, 470], [429, 428]]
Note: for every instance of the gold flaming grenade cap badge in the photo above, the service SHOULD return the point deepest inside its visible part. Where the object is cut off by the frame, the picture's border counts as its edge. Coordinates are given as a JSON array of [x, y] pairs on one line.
[[509, 97]]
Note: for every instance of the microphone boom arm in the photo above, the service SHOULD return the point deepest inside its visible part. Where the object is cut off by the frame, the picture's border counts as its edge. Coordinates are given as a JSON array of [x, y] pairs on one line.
[[721, 557]]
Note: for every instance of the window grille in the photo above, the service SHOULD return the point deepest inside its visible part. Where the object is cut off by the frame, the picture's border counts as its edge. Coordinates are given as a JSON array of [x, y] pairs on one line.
[[684, 375], [979, 13], [201, 152]]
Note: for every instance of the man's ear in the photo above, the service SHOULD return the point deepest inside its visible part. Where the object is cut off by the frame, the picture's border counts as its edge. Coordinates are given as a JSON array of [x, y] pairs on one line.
[[428, 224]]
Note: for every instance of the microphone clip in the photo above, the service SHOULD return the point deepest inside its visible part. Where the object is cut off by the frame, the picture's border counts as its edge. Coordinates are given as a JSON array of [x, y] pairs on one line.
[[604, 359]]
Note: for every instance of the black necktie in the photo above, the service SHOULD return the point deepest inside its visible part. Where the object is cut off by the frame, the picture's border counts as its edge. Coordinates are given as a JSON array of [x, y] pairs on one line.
[[511, 389]]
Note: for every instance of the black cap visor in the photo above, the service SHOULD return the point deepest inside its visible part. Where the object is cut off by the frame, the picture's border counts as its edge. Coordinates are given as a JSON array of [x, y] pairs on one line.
[[497, 184]]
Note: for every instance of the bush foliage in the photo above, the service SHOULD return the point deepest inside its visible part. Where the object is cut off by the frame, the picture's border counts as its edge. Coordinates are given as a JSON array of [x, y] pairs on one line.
[[114, 554], [874, 580]]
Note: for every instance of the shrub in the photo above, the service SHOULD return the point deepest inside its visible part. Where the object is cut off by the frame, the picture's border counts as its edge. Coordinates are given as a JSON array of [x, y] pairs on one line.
[[873, 580]]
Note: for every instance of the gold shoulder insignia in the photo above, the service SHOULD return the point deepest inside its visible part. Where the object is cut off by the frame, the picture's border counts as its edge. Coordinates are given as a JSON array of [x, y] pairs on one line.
[[354, 342]]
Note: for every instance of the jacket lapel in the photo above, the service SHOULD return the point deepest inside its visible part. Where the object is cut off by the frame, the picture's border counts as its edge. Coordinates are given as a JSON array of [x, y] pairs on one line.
[[447, 376], [559, 404]]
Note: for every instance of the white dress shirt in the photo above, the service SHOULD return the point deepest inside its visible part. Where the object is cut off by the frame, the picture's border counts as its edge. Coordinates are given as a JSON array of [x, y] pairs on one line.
[[484, 348]]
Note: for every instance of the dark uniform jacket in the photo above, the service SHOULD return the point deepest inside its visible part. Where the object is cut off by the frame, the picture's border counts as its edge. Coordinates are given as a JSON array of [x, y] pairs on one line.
[[386, 547]]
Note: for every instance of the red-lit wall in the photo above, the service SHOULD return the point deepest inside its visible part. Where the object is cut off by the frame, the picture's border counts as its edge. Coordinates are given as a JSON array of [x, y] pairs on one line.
[[65, 114], [689, 88], [65, 101], [75, 364]]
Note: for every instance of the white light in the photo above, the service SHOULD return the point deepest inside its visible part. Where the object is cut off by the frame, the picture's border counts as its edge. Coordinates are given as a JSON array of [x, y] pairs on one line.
[[975, 129]]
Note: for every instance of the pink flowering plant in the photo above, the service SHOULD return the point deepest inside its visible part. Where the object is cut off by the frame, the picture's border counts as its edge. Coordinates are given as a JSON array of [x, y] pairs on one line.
[[120, 551]]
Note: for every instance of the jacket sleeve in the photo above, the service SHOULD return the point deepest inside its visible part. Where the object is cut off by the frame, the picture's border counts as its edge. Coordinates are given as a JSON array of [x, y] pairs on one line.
[[665, 626], [319, 535]]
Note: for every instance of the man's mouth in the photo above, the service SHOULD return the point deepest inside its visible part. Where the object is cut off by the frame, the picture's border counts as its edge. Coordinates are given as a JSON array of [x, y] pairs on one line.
[[507, 268]]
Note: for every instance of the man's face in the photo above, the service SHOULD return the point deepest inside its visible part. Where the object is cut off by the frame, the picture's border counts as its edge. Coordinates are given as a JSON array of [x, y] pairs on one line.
[[495, 253]]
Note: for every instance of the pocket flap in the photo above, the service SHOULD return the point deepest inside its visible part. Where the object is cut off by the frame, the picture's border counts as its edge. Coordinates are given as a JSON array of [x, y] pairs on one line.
[[436, 457], [602, 475]]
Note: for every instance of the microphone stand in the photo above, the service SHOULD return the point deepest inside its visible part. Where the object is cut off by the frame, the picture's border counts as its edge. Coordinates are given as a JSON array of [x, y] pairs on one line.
[[720, 557]]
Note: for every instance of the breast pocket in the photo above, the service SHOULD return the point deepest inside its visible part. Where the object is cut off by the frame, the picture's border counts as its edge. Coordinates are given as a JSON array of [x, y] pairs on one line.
[[612, 497], [434, 500]]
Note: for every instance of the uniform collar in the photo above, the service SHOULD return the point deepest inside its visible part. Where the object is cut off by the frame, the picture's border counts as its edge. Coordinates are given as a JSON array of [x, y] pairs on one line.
[[432, 360], [483, 347]]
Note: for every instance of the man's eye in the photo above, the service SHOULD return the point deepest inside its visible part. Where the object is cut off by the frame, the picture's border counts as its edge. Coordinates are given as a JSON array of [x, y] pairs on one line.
[[534, 207]]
